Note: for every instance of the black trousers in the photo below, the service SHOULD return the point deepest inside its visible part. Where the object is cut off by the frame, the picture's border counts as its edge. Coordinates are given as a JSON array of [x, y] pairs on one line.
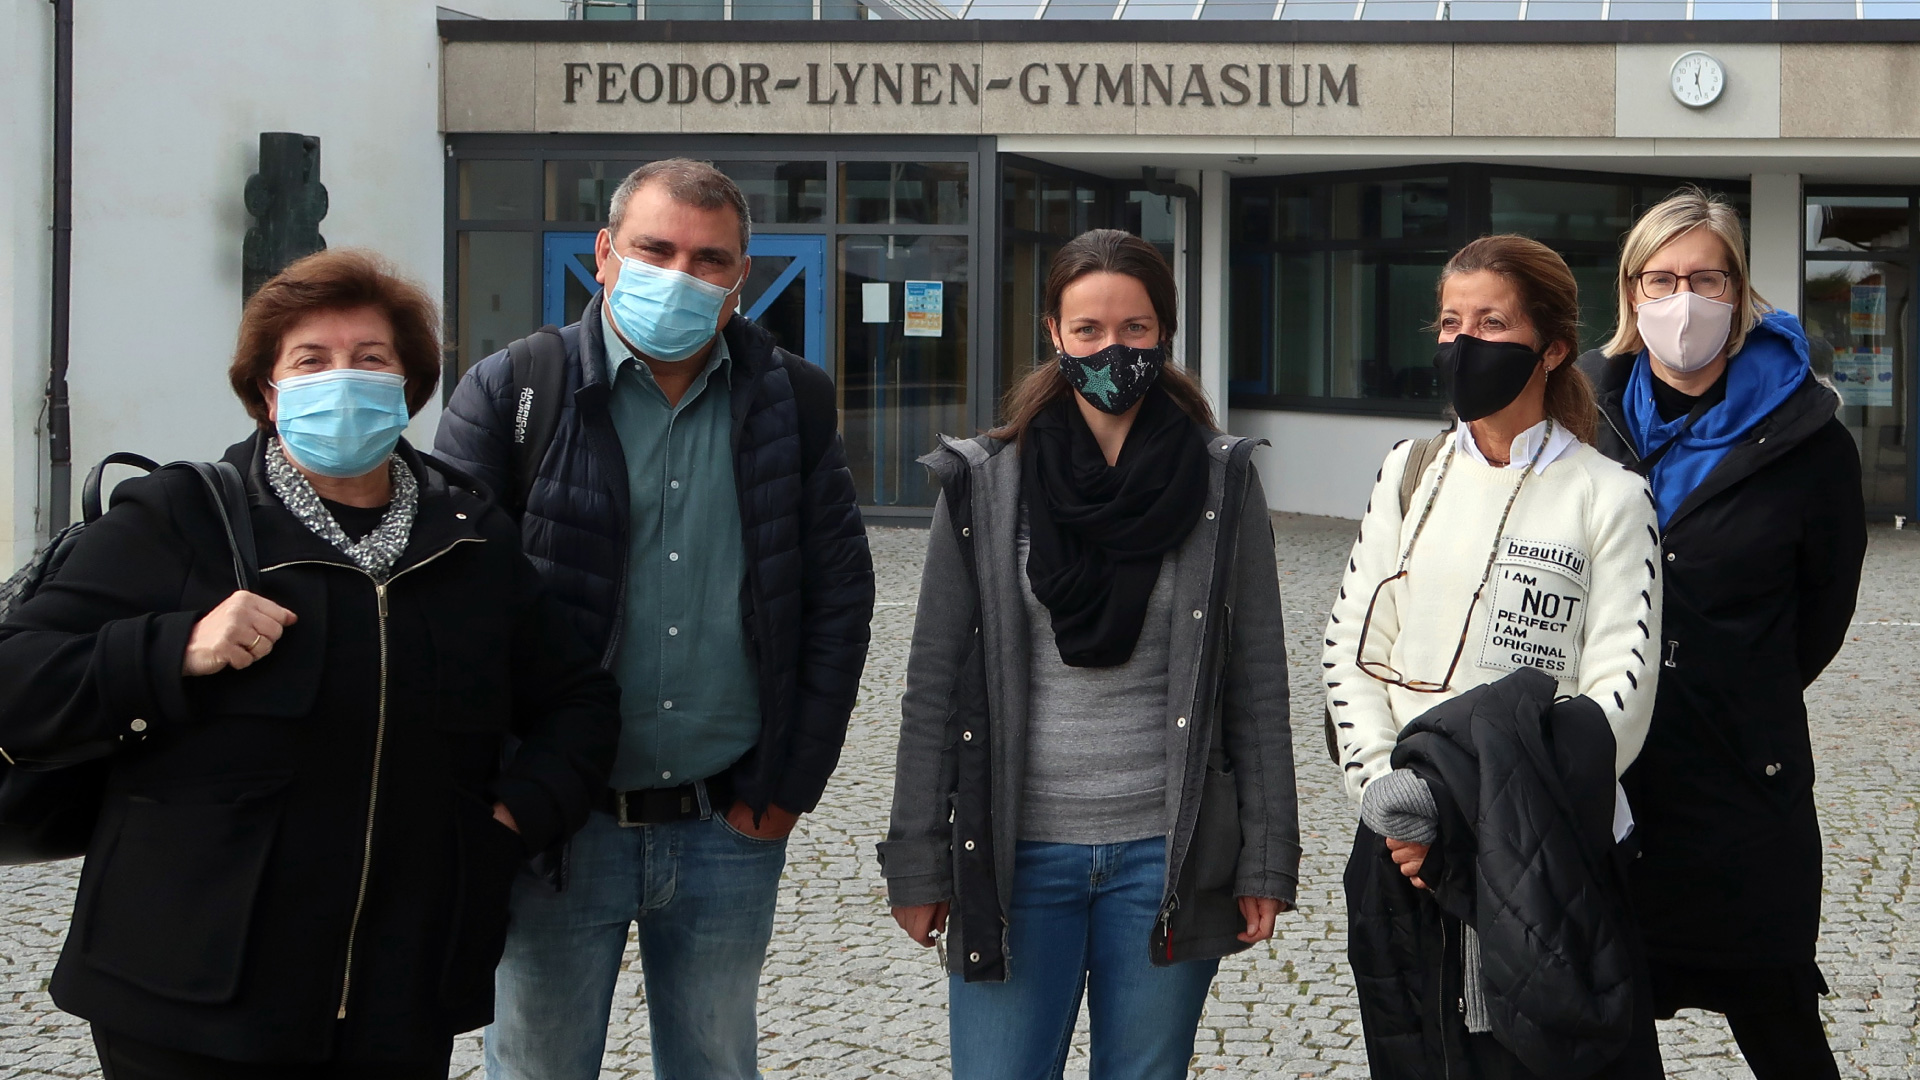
[[1774, 1014], [125, 1058]]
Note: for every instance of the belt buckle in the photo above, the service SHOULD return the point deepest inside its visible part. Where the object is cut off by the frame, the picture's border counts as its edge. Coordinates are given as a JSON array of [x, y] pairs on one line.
[[620, 812]]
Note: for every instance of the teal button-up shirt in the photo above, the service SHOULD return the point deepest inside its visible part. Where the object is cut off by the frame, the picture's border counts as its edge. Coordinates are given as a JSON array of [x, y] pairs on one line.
[[689, 699]]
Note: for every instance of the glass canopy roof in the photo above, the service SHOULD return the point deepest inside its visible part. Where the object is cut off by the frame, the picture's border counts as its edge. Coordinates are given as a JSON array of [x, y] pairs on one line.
[[1190, 10]]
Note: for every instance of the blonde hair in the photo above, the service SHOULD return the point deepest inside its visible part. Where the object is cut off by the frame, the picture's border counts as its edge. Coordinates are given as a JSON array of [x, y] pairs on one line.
[[1682, 212]]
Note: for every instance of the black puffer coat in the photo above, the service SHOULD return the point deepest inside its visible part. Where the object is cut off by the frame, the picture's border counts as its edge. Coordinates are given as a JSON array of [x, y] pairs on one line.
[[808, 597], [299, 861], [1763, 564], [1525, 856]]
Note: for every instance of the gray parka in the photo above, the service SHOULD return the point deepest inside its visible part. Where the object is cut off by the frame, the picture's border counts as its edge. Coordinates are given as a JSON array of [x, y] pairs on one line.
[[1232, 828]]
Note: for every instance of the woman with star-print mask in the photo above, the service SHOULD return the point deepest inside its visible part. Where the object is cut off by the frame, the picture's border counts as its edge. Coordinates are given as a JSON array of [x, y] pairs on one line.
[[1094, 794]]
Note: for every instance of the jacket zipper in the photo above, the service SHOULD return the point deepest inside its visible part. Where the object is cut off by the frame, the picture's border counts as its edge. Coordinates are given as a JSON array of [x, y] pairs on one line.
[[1621, 435], [1166, 923], [1440, 1004], [379, 747]]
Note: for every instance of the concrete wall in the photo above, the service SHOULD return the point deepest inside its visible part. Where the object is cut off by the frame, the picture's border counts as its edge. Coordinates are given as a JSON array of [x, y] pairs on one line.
[[1323, 463], [1778, 243], [169, 101], [26, 189]]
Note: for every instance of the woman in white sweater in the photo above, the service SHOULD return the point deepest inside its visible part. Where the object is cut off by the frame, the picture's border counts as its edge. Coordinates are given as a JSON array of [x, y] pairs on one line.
[[1518, 546]]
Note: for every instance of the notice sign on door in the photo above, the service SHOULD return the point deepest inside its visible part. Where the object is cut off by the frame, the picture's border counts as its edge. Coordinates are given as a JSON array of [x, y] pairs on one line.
[[1864, 377], [926, 308]]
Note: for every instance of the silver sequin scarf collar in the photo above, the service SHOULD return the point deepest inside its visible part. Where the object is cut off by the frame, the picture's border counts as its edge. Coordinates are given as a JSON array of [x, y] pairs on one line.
[[379, 550]]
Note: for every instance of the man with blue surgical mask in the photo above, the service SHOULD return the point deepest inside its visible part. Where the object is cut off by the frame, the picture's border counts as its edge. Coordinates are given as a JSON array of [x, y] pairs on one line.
[[695, 512]]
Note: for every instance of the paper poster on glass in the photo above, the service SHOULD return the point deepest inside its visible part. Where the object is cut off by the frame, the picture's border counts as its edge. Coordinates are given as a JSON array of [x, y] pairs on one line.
[[1864, 377], [925, 308], [1869, 312]]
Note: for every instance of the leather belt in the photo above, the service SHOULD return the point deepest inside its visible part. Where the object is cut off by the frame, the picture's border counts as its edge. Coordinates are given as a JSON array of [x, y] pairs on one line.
[[663, 806]]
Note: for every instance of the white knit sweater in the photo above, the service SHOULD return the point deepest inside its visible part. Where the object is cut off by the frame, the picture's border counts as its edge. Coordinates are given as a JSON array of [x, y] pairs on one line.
[[1575, 591]]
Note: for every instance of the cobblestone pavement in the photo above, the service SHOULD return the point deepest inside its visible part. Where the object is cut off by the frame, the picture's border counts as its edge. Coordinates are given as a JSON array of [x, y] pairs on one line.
[[847, 995]]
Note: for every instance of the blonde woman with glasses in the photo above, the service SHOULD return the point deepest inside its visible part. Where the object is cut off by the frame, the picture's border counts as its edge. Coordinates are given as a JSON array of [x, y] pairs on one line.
[[1490, 669], [1706, 389]]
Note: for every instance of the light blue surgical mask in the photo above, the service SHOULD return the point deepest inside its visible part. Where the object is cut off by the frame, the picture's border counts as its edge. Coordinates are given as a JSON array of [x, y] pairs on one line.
[[665, 314], [341, 423]]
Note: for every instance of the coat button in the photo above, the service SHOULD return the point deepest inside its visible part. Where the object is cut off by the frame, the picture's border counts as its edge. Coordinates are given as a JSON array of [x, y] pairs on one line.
[[1196, 613], [966, 736], [1671, 556], [1209, 515], [1773, 770], [969, 845], [974, 956], [966, 530], [1182, 722], [673, 556], [462, 517], [138, 725]]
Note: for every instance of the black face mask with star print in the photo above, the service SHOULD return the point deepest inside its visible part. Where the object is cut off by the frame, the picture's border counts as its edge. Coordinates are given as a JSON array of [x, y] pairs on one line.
[[1114, 379]]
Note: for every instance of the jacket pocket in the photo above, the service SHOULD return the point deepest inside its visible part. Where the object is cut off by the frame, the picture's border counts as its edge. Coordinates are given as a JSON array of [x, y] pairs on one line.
[[487, 857], [1216, 832], [173, 905]]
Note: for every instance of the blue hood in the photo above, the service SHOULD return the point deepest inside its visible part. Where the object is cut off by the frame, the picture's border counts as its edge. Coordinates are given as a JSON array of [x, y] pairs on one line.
[[1769, 367]]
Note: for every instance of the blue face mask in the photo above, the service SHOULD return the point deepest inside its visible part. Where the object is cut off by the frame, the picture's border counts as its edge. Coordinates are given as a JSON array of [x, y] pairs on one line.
[[665, 314], [341, 423]]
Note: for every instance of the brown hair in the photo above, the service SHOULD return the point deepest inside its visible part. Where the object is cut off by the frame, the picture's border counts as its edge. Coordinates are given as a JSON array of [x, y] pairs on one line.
[[1105, 251], [1551, 298], [342, 279]]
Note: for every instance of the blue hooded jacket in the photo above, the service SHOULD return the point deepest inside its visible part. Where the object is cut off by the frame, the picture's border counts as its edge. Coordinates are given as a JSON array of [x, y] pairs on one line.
[[1769, 367]]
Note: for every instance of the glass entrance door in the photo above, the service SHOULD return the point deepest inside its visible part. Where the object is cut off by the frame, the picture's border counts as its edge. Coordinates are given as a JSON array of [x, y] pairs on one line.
[[785, 292]]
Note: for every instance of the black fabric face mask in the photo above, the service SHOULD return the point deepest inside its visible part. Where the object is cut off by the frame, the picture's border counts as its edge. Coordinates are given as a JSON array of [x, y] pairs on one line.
[[1483, 377], [1115, 378]]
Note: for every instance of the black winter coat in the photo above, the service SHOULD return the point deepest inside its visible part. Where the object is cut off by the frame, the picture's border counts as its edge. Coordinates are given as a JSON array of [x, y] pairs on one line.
[[298, 861], [808, 596], [1526, 856], [1763, 564]]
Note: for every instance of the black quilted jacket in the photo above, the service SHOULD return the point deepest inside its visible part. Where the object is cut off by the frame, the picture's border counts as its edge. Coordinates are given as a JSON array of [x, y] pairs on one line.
[[1525, 856], [808, 596]]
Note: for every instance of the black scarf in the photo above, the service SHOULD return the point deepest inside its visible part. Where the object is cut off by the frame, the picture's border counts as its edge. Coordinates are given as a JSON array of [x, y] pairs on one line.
[[1097, 532]]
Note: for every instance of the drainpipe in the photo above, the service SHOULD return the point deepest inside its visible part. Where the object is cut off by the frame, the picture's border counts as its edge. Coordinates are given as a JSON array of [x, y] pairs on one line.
[[59, 418]]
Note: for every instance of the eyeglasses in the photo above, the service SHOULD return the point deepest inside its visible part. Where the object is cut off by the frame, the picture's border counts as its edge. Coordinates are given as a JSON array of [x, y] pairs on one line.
[[1707, 284], [1387, 673], [1390, 675]]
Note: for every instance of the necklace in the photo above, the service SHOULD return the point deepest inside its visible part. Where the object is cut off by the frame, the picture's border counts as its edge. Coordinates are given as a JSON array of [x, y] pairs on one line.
[[1446, 463]]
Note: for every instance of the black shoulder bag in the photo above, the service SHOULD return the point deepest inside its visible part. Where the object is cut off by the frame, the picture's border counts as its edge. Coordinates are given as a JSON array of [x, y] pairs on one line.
[[48, 810]]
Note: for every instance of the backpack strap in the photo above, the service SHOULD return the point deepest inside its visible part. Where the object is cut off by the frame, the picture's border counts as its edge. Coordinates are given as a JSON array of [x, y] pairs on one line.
[[1422, 455], [229, 496], [539, 363]]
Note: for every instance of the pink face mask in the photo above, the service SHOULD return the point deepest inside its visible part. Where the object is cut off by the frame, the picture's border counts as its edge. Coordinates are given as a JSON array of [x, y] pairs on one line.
[[1684, 331]]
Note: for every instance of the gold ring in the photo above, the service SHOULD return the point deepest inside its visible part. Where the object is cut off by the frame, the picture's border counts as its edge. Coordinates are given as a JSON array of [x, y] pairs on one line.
[[257, 639]]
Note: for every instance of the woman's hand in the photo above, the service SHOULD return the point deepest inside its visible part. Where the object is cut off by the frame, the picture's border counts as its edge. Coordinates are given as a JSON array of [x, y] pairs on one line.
[[922, 921], [1259, 911], [505, 817], [1410, 857], [234, 635]]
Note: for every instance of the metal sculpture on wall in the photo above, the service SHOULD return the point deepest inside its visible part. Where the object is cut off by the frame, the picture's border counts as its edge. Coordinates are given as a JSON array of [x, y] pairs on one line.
[[287, 202]]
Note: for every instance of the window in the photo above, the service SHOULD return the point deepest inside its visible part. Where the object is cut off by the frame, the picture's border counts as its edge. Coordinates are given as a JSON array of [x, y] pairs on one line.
[[1332, 290], [1858, 311]]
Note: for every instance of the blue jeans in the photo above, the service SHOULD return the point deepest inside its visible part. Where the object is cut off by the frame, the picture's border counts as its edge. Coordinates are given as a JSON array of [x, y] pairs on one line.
[[703, 895], [1082, 920]]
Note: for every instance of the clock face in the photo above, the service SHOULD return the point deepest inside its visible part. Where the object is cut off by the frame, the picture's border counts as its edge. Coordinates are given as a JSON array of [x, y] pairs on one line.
[[1697, 80]]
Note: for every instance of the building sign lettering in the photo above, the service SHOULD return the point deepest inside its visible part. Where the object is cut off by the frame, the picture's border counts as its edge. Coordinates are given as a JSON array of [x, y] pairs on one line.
[[917, 84]]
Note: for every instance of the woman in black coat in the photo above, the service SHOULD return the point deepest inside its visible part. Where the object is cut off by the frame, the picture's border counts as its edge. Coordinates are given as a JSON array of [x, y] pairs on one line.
[[1707, 390], [320, 791]]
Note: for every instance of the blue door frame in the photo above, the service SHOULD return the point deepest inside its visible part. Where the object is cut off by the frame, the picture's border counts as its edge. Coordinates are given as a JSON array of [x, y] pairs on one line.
[[569, 256]]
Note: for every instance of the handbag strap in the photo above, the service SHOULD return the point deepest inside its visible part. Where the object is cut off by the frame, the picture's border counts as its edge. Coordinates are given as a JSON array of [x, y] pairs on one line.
[[229, 496]]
